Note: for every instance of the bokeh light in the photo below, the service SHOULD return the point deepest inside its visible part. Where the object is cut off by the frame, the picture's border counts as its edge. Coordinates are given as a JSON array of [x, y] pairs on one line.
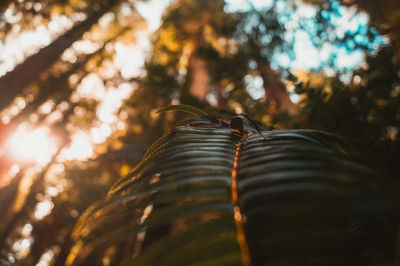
[[32, 145], [43, 209], [80, 147]]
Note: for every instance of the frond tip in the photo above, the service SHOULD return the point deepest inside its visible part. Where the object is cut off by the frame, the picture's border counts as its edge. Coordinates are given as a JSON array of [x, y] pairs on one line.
[[184, 108], [209, 196]]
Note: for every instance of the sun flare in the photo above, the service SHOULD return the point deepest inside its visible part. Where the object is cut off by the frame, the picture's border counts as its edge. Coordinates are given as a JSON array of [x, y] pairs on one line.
[[32, 145]]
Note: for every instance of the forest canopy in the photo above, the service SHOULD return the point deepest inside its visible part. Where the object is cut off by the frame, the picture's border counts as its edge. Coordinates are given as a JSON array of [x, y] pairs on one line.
[[81, 81]]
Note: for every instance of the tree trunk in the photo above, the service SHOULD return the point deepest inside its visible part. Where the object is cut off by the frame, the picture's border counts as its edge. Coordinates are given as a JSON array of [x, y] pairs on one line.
[[275, 91], [4, 4], [13, 82], [63, 92], [221, 99], [199, 77]]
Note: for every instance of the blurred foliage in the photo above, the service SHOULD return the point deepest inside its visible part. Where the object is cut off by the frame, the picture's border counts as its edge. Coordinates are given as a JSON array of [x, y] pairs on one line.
[[83, 79], [54, 100], [366, 109]]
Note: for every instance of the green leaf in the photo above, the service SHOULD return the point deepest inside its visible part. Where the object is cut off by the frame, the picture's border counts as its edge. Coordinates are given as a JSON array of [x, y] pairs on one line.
[[302, 190]]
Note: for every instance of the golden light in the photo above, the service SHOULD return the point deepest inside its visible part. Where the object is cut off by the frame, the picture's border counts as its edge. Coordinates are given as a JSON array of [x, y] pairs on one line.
[[129, 59], [14, 170], [36, 145], [27, 230], [100, 134], [43, 209], [80, 148], [22, 247], [46, 258]]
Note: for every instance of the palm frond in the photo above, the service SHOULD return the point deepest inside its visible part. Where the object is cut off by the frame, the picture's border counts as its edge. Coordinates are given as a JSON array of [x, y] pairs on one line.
[[210, 195], [184, 108]]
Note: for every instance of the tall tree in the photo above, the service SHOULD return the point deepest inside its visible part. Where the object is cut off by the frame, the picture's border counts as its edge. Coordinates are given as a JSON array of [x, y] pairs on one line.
[[185, 39], [12, 83]]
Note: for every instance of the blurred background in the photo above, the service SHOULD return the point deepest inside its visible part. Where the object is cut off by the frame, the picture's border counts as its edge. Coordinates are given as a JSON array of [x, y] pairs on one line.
[[80, 82]]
